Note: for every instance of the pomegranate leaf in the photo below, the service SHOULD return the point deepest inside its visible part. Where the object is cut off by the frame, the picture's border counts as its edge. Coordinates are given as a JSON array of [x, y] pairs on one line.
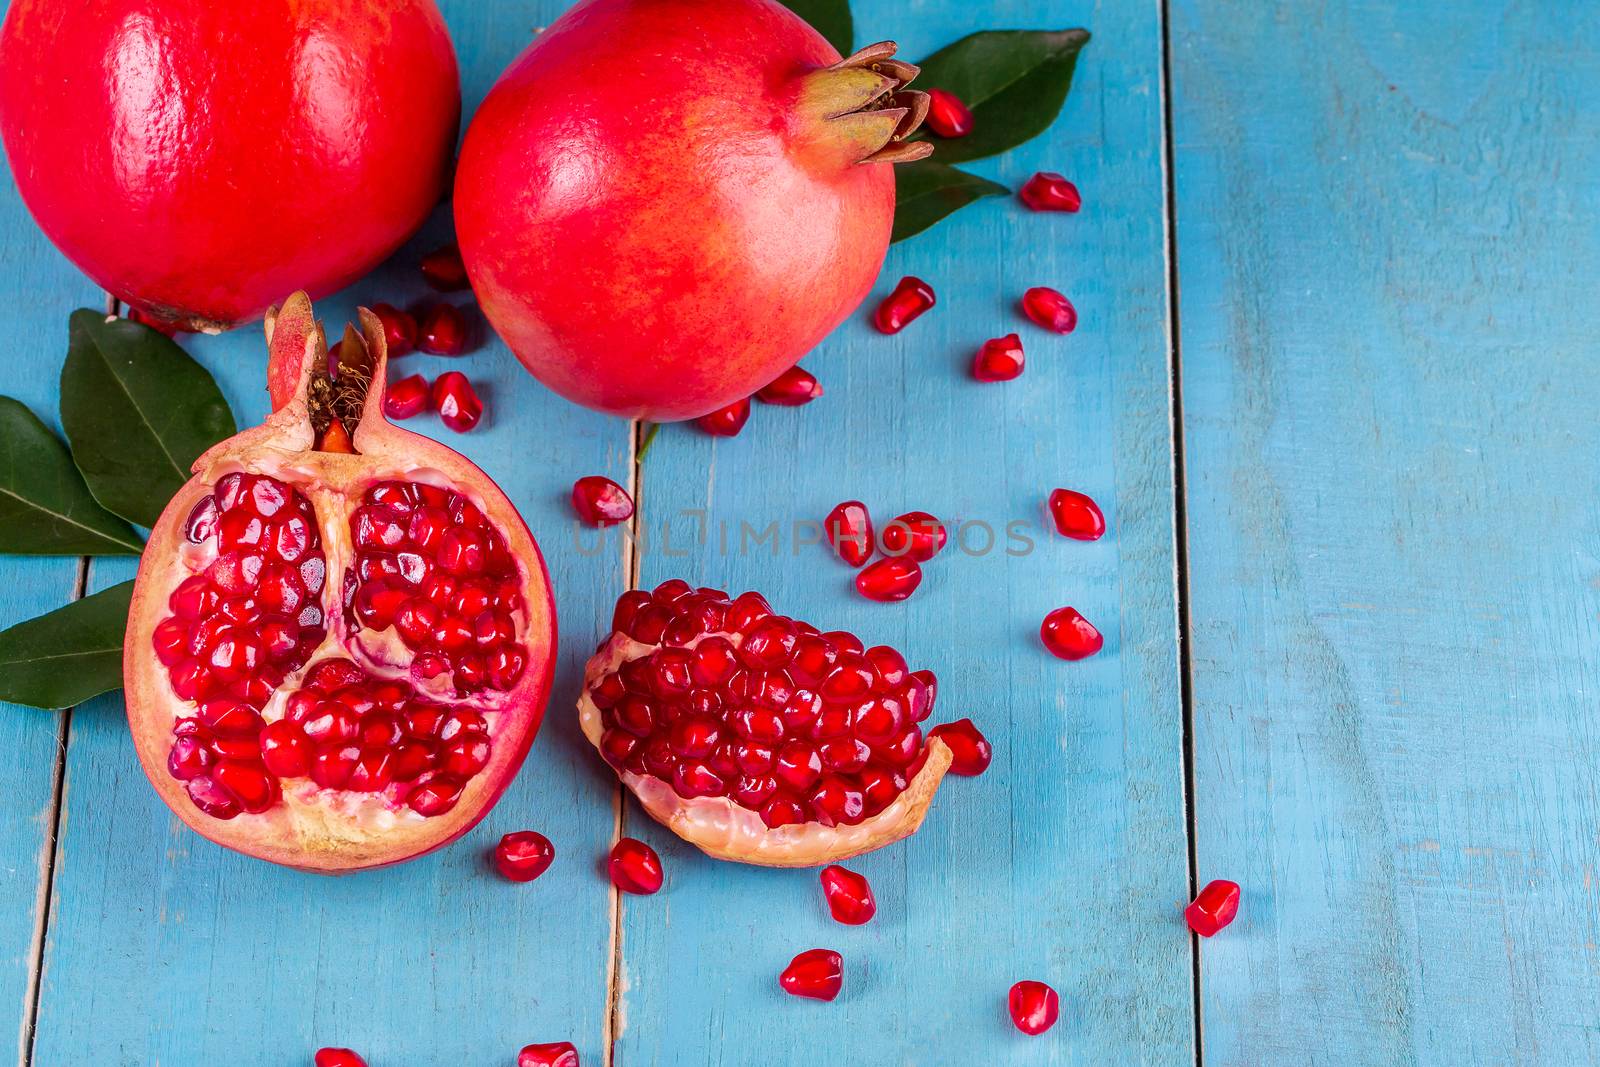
[[68, 655], [926, 192], [45, 507], [138, 411], [831, 18], [1015, 82]]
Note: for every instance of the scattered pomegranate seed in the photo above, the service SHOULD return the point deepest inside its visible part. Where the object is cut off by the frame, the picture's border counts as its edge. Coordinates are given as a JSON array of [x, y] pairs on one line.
[[894, 578], [910, 298], [635, 867], [338, 1057], [849, 530], [458, 403], [1050, 309], [1034, 1007], [726, 422], [1077, 516], [1068, 635], [790, 389], [443, 270], [947, 115], [557, 1054], [1214, 908], [971, 751], [817, 973], [442, 330], [1050, 192], [599, 501], [999, 360], [849, 896], [915, 534], [524, 855], [399, 329], [407, 397]]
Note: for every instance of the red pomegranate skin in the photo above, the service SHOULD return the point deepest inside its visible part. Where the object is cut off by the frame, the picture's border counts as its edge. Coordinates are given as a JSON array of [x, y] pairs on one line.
[[202, 159], [648, 222]]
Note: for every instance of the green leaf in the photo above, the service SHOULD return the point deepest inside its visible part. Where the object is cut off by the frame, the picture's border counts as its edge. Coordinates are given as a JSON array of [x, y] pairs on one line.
[[69, 655], [1015, 82], [926, 192], [831, 18], [45, 508], [138, 412]]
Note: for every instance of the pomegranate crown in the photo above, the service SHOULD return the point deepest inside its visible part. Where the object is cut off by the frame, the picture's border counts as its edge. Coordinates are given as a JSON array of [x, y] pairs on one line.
[[862, 106], [330, 389]]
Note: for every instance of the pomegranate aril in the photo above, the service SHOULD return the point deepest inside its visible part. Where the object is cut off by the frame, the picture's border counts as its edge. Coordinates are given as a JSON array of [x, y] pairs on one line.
[[442, 331], [970, 750], [1050, 309], [634, 867], [524, 855], [211, 798], [726, 422], [202, 521], [435, 796], [848, 528], [399, 329], [443, 270], [189, 758], [947, 115], [915, 534], [407, 397], [890, 579], [465, 758], [1214, 908], [458, 403], [792, 388], [817, 973], [249, 784], [1034, 1007], [1047, 191], [849, 896], [1070, 636], [909, 299], [599, 501], [999, 360], [1076, 516], [835, 802], [286, 750], [338, 1057], [553, 1054]]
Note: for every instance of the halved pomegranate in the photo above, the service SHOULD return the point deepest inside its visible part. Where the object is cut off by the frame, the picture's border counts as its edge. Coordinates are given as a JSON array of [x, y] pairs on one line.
[[342, 634], [757, 737]]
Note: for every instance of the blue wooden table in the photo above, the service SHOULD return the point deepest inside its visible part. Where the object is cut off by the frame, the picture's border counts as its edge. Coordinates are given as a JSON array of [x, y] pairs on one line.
[[1336, 387]]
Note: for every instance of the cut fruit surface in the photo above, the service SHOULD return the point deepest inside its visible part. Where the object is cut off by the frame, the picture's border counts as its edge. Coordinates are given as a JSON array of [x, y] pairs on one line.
[[757, 737]]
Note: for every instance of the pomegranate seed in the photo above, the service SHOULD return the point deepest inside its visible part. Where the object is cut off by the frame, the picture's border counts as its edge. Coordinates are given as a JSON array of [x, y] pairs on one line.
[[1068, 635], [399, 329], [458, 403], [556, 1054], [1034, 1007], [442, 330], [849, 530], [1050, 309], [435, 796], [947, 115], [999, 360], [599, 501], [338, 1057], [1076, 516], [524, 855], [849, 896], [910, 298], [635, 867], [406, 397], [790, 389], [915, 534], [969, 749], [1214, 908], [443, 270], [891, 579], [1050, 192], [817, 973], [726, 422]]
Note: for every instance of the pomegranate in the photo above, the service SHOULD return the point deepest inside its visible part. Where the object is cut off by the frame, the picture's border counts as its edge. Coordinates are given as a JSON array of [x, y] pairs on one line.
[[817, 973], [342, 635], [756, 737], [674, 196], [200, 161]]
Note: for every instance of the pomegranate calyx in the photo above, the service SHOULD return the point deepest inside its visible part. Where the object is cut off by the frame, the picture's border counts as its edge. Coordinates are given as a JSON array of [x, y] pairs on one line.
[[861, 109]]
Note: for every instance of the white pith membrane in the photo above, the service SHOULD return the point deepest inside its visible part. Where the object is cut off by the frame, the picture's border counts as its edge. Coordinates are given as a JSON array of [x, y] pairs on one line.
[[721, 827]]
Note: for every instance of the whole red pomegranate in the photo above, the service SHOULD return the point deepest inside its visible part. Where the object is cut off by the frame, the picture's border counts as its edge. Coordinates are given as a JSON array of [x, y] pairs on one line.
[[664, 204], [342, 635], [202, 159]]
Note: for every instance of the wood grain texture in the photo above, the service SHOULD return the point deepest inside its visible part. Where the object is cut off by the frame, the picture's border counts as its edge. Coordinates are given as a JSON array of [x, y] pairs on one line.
[[1066, 861], [1387, 256]]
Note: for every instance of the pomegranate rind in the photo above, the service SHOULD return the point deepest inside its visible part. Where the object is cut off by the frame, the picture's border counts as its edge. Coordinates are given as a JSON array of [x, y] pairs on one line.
[[307, 830], [726, 831]]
